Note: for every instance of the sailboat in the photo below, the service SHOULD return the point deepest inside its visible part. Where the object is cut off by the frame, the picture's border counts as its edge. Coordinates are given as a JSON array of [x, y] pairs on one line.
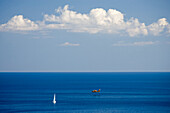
[[54, 101]]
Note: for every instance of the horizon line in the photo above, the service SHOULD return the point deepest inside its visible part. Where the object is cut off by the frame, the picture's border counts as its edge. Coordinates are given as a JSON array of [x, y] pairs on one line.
[[82, 71]]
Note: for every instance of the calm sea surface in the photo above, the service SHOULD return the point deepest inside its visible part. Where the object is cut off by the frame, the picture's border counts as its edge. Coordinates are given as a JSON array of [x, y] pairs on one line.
[[120, 92]]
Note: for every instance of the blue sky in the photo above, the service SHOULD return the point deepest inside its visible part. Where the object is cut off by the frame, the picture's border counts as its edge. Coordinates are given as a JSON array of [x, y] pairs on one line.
[[91, 35]]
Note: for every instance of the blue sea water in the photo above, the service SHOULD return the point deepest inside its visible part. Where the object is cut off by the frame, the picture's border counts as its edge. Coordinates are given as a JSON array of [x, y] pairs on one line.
[[120, 92]]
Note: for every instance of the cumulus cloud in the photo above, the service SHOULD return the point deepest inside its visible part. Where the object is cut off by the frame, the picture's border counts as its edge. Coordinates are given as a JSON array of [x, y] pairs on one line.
[[100, 20], [69, 44], [134, 27], [97, 20], [136, 43], [159, 26], [19, 23]]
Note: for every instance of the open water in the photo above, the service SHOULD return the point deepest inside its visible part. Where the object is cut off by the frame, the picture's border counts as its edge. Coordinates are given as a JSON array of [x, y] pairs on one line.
[[120, 92]]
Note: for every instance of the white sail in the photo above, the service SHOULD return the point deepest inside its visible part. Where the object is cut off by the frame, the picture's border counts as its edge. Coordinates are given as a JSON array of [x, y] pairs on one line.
[[54, 101]]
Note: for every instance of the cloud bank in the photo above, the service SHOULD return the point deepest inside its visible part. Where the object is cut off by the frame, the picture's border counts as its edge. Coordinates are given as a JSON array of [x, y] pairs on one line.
[[136, 43], [69, 44], [96, 21]]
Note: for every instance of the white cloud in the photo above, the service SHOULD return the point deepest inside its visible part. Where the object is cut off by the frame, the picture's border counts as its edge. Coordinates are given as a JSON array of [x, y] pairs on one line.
[[134, 27], [136, 43], [100, 20], [19, 23], [97, 20], [69, 44], [158, 27]]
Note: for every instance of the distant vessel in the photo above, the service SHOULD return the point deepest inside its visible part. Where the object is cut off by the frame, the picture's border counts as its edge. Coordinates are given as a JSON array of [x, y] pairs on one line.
[[94, 91], [54, 101]]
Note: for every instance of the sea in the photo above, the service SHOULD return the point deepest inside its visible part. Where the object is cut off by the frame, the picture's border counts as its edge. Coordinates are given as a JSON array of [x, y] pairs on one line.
[[121, 92]]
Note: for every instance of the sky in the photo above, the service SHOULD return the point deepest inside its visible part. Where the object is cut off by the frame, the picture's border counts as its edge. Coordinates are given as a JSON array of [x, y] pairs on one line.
[[84, 36]]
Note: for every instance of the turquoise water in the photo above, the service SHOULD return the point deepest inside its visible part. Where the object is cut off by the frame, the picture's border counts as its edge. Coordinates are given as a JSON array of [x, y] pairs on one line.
[[120, 92]]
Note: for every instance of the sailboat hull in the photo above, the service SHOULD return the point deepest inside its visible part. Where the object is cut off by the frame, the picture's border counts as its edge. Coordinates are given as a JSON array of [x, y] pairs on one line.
[[54, 102]]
